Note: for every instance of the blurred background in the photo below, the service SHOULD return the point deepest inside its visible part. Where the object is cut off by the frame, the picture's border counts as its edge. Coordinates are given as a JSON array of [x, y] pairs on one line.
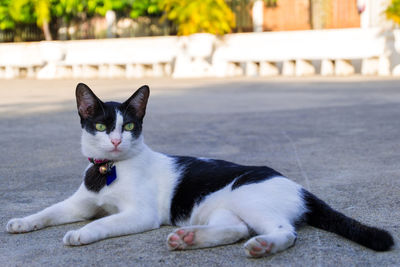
[[197, 38], [36, 20]]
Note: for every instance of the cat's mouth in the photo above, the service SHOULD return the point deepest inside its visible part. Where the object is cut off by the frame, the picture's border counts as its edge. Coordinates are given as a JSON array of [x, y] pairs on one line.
[[116, 150]]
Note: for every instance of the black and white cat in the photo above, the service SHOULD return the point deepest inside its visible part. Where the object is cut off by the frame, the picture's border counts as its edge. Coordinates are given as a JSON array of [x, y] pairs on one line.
[[214, 202]]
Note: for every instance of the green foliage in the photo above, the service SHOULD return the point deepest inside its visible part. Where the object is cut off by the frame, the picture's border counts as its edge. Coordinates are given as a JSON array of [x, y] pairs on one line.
[[190, 16], [145, 7], [101, 7], [72, 8], [40, 11], [6, 21], [393, 11], [67, 9], [22, 11], [195, 16]]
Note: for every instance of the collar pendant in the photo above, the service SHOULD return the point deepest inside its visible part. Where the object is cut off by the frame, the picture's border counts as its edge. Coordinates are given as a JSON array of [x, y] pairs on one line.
[[106, 167]]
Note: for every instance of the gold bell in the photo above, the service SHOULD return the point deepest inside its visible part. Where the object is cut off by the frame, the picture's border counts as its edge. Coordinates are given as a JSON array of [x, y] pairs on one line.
[[103, 169]]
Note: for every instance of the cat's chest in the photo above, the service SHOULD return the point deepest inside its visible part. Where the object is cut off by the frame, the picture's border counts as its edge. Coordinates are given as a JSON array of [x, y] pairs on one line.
[[128, 187], [140, 184]]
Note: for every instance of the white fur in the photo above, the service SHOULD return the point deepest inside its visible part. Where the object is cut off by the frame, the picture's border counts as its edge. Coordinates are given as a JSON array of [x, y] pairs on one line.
[[140, 198], [269, 208]]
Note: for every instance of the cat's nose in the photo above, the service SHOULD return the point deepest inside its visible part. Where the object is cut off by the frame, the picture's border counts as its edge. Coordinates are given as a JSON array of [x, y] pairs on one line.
[[116, 142]]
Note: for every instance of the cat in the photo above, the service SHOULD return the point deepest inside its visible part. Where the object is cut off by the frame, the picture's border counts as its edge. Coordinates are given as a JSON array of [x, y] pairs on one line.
[[214, 202]]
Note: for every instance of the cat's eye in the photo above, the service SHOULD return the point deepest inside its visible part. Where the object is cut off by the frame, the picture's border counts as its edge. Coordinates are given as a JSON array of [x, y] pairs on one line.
[[100, 127], [129, 126]]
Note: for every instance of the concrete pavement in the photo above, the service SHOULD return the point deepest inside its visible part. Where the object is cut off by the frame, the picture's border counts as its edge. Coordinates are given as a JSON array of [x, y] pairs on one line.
[[339, 138]]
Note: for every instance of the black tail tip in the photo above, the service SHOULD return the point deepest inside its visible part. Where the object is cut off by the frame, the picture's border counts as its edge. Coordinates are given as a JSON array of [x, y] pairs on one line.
[[381, 240]]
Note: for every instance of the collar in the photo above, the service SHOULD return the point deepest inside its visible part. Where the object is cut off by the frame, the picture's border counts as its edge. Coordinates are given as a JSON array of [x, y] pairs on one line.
[[99, 161], [106, 167]]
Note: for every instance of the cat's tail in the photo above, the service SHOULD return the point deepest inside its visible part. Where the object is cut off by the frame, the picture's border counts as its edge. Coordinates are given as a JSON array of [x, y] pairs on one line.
[[321, 215]]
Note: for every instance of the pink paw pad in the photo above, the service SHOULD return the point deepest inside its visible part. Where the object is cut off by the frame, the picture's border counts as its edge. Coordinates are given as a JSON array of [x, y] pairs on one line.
[[173, 241], [180, 239], [189, 238], [258, 247]]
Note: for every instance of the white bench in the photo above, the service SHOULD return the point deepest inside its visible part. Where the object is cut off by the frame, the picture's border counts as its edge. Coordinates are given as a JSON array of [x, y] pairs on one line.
[[128, 57], [236, 54], [19, 59], [257, 53]]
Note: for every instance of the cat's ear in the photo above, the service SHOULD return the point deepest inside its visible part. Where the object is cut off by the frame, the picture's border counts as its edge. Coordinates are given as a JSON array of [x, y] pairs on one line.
[[138, 101], [86, 101]]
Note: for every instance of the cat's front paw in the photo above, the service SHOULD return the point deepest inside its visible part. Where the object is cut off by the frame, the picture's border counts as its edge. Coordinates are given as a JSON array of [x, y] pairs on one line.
[[180, 239], [79, 238], [18, 225]]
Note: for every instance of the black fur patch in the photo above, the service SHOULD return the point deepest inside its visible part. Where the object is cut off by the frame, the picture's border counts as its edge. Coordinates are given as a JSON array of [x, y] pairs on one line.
[[255, 175], [201, 177], [94, 180], [322, 216]]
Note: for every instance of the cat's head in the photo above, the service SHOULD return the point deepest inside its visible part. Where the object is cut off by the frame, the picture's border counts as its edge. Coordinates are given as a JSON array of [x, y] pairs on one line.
[[111, 130]]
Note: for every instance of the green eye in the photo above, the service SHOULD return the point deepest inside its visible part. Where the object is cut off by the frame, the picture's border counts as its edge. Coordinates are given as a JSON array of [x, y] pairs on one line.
[[129, 126], [100, 127]]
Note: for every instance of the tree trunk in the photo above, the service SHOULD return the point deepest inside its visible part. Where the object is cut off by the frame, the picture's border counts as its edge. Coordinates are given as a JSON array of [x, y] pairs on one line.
[[46, 31]]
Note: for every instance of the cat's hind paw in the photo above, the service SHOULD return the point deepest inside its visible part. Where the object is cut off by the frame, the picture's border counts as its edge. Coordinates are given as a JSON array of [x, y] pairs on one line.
[[78, 238], [258, 247], [16, 226], [180, 239]]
